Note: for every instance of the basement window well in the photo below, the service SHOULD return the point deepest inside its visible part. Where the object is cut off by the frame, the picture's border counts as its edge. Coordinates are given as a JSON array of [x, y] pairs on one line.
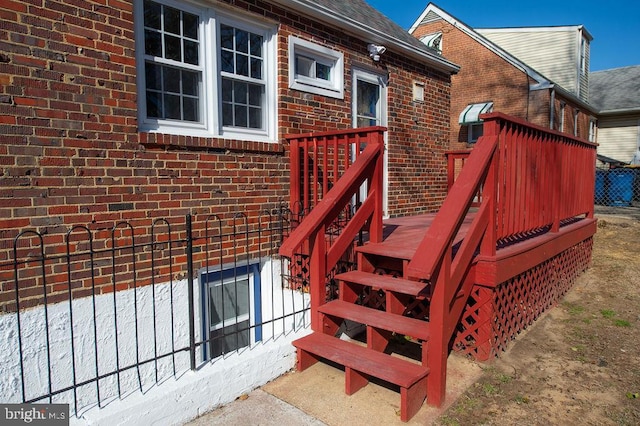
[[231, 308]]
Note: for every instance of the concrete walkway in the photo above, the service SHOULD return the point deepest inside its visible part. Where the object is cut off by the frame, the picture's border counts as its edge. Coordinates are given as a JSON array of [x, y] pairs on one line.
[[316, 397]]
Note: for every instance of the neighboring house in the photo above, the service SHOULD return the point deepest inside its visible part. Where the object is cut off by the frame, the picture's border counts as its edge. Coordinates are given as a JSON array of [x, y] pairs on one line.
[[616, 95], [492, 77], [147, 110]]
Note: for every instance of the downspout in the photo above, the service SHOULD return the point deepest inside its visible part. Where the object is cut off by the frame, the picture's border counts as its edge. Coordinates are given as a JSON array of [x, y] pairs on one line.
[[552, 108]]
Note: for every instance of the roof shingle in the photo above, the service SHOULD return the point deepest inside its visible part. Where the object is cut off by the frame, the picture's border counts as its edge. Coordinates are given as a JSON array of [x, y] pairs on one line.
[[615, 89]]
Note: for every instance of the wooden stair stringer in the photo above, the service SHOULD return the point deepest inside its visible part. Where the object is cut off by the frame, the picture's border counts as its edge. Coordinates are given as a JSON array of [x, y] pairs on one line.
[[361, 363]]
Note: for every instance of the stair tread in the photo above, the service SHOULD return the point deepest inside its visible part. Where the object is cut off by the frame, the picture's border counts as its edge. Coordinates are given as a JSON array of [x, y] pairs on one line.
[[377, 364], [379, 319], [385, 282], [400, 250]]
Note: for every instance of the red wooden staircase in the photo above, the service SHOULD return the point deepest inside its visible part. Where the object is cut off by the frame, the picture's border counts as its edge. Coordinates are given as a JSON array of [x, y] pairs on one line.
[[415, 281], [382, 321]]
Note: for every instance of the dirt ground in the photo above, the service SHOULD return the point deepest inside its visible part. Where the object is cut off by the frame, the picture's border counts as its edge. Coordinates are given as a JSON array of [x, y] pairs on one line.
[[579, 364]]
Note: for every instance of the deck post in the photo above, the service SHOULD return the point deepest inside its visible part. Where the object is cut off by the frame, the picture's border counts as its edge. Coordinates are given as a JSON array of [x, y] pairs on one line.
[[375, 231], [294, 176], [317, 278], [438, 350]]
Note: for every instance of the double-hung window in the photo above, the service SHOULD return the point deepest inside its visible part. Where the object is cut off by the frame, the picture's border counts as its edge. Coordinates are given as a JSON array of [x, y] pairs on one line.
[[204, 73]]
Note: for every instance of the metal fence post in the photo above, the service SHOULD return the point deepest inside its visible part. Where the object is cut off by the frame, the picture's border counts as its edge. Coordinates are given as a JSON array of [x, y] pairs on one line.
[[192, 329]]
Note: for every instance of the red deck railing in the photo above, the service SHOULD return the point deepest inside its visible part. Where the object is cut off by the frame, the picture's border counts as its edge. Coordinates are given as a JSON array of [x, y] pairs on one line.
[[327, 191], [532, 180], [318, 161]]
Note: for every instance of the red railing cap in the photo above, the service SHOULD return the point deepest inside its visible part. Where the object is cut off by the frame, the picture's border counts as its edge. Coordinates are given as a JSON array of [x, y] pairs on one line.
[[341, 132], [500, 116]]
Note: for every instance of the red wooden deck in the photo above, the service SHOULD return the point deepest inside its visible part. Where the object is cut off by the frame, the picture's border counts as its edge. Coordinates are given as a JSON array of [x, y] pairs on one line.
[[509, 240]]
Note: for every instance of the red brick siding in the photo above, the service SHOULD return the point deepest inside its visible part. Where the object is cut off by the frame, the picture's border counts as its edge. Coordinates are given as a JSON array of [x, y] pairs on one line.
[[71, 153]]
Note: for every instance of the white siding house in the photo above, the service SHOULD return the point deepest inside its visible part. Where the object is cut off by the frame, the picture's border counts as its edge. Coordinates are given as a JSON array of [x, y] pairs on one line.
[[616, 93], [559, 53]]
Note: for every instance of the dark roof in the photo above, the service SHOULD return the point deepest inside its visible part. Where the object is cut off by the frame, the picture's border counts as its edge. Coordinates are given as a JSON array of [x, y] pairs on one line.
[[359, 18], [615, 89], [363, 12]]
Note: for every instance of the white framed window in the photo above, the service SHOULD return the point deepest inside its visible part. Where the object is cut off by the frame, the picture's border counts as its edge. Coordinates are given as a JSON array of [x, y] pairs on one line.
[[231, 308], [576, 116], [315, 69], [204, 73], [475, 131], [592, 130], [561, 124]]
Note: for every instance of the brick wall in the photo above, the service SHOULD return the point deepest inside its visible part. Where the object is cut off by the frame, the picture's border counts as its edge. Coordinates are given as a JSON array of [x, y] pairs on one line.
[[483, 77], [71, 152]]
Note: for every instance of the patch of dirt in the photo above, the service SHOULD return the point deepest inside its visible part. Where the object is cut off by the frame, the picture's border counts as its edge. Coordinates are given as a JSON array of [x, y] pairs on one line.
[[579, 363]]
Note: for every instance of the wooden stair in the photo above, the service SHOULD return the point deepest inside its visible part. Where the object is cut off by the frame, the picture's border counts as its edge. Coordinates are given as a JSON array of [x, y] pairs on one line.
[[364, 362]]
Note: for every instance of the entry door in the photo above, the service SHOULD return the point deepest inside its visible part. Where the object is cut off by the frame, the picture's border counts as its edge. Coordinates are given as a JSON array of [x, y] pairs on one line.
[[370, 109]]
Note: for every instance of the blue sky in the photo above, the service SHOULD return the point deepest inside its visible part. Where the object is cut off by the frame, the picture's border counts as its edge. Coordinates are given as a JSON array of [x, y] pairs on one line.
[[614, 24]]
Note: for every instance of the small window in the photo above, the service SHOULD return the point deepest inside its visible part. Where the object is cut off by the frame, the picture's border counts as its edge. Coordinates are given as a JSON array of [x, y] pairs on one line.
[[592, 130], [315, 69], [475, 131], [231, 310]]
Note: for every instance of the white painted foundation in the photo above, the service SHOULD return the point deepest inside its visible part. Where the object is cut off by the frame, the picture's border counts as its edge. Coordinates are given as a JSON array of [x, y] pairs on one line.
[[173, 400]]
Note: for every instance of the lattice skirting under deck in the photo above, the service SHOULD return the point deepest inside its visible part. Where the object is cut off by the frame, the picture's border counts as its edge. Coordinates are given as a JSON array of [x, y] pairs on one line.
[[495, 316]]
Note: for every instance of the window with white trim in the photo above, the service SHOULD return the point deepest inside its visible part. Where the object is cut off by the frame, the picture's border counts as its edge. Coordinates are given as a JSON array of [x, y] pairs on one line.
[[592, 130], [315, 69], [204, 73], [231, 308]]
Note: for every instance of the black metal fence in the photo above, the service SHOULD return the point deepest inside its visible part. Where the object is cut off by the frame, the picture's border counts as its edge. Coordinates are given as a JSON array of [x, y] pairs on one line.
[[618, 187], [92, 315]]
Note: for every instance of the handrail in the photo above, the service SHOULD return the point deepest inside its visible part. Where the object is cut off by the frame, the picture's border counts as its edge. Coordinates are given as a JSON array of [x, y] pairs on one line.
[[532, 180], [311, 232], [449, 219], [318, 160], [335, 200]]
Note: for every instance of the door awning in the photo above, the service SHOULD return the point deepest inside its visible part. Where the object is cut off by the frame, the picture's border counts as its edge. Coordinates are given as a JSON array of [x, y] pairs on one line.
[[470, 114]]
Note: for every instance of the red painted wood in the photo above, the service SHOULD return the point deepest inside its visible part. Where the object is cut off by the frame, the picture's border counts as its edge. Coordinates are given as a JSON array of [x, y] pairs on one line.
[[379, 319], [305, 360], [378, 339], [438, 349], [317, 274], [294, 175], [446, 224], [354, 380], [385, 282], [347, 292], [333, 203], [347, 235], [386, 367], [513, 260], [411, 400]]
